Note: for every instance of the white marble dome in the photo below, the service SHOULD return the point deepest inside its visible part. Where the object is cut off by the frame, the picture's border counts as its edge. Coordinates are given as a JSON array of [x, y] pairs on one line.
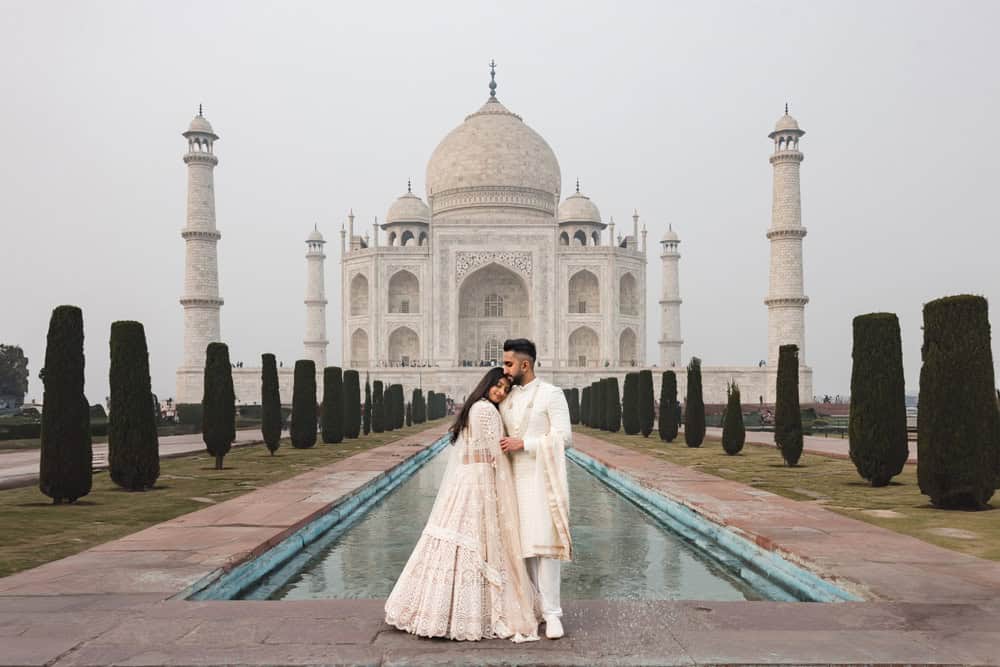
[[493, 157], [670, 235], [315, 236], [578, 208], [408, 208], [201, 125], [786, 122]]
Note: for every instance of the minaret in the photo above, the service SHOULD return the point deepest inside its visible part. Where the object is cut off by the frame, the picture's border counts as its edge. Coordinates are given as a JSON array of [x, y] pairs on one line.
[[315, 341], [201, 299], [670, 302], [785, 300]]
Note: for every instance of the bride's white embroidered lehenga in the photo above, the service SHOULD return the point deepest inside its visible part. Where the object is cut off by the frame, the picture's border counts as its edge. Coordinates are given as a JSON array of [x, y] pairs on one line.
[[466, 578]]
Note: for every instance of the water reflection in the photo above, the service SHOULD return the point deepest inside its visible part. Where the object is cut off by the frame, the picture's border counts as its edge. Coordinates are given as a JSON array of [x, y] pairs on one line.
[[620, 552]]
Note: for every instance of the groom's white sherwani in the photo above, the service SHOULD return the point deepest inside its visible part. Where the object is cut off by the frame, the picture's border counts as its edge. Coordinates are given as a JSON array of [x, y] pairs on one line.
[[538, 414]]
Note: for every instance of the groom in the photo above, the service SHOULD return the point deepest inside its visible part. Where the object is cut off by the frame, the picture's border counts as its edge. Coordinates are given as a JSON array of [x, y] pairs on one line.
[[536, 418]]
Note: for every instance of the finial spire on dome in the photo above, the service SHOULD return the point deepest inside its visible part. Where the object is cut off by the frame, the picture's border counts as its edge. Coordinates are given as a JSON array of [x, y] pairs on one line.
[[786, 108], [493, 79], [199, 111], [409, 187], [577, 186]]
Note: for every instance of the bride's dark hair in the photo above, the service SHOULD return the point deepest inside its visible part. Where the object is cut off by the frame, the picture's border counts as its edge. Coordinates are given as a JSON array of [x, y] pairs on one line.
[[481, 391]]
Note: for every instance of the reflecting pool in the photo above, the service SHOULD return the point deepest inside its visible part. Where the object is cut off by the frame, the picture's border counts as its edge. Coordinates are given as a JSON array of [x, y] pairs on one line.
[[621, 553]]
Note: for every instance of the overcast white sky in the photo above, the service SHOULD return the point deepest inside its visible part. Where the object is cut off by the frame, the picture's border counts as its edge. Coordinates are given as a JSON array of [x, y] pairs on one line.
[[660, 106]]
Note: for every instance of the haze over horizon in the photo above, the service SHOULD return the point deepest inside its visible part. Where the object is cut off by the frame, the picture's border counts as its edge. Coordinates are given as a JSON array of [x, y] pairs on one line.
[[665, 108]]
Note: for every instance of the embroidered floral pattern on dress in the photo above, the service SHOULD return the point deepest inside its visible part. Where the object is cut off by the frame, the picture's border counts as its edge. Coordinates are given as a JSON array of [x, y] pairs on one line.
[[465, 579]]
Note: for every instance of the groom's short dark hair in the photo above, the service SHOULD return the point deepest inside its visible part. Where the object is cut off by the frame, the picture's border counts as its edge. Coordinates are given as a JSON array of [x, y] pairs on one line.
[[520, 346]]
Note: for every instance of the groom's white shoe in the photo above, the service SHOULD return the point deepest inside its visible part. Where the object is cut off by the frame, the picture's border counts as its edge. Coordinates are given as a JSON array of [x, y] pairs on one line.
[[553, 627]]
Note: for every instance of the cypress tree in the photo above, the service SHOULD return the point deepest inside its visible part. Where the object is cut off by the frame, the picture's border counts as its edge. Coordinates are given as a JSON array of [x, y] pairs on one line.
[[65, 468], [593, 413], [332, 413], [400, 406], [270, 403], [430, 406], [366, 416], [574, 405], [630, 404], [409, 414], [878, 399], [734, 433], [694, 406], [133, 446], [218, 405], [668, 421], [415, 406], [644, 396], [303, 429], [787, 413], [352, 404], [389, 402], [378, 409], [958, 441], [613, 405], [585, 407]]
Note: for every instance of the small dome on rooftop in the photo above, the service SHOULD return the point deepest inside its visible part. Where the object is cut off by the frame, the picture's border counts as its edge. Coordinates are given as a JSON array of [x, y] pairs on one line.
[[314, 235], [578, 208], [408, 208], [670, 235]]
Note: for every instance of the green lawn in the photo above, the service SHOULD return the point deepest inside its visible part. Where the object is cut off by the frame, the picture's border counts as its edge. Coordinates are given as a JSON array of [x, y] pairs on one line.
[[834, 484], [36, 531]]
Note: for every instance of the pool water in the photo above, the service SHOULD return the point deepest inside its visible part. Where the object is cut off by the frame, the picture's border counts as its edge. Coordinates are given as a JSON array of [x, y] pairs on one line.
[[620, 552]]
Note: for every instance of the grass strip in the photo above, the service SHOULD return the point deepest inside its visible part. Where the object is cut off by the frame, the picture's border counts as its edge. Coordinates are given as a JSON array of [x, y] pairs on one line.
[[36, 531]]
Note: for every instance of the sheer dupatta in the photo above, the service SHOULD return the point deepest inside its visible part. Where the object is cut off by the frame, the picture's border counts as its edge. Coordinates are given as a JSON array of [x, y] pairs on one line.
[[466, 578]]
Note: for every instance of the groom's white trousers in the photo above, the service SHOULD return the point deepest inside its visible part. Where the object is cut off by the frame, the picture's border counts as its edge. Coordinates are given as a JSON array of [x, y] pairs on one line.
[[544, 574]]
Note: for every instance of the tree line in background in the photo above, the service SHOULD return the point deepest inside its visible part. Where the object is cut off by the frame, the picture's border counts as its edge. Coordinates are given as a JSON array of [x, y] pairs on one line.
[[65, 472], [958, 430]]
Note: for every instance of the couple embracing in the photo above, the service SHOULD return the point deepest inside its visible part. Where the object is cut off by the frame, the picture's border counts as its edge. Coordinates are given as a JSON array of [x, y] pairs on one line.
[[487, 563]]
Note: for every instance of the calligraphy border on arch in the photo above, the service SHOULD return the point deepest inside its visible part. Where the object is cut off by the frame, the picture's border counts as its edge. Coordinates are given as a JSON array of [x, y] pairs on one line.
[[466, 262]]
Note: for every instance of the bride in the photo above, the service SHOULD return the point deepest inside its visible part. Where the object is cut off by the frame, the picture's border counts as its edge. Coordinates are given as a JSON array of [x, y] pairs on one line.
[[466, 578]]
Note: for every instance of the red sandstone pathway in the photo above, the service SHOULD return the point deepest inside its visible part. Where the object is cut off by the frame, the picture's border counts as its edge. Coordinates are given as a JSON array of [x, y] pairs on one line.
[[834, 447], [117, 603], [20, 468]]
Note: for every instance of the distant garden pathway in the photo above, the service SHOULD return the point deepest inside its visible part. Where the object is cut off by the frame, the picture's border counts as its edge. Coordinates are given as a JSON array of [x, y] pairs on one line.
[[833, 446], [20, 468]]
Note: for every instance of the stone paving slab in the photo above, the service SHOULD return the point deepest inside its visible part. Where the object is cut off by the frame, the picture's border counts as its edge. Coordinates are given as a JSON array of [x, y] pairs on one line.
[[113, 604]]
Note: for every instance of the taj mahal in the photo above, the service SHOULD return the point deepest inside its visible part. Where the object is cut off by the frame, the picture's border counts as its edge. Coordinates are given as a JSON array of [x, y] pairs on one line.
[[431, 292]]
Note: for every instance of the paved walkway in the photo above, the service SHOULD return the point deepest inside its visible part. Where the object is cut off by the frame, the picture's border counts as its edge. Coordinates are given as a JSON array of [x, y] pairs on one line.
[[20, 467], [833, 446], [117, 603]]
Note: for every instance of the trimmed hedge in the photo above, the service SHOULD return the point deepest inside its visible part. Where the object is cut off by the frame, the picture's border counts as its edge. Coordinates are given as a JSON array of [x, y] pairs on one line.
[[787, 414], [332, 412], [734, 433], [270, 401], [694, 406], [877, 427], [303, 430], [585, 406], [218, 426], [630, 404], [378, 407], [958, 440], [352, 404], [612, 405], [366, 415], [64, 469], [669, 413], [645, 399], [133, 446]]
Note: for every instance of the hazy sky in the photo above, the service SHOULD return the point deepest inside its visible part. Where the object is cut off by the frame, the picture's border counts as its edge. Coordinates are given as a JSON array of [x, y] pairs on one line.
[[660, 106]]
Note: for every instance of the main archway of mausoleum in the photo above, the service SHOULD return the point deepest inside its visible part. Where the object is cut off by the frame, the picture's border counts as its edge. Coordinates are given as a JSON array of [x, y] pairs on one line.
[[493, 305]]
